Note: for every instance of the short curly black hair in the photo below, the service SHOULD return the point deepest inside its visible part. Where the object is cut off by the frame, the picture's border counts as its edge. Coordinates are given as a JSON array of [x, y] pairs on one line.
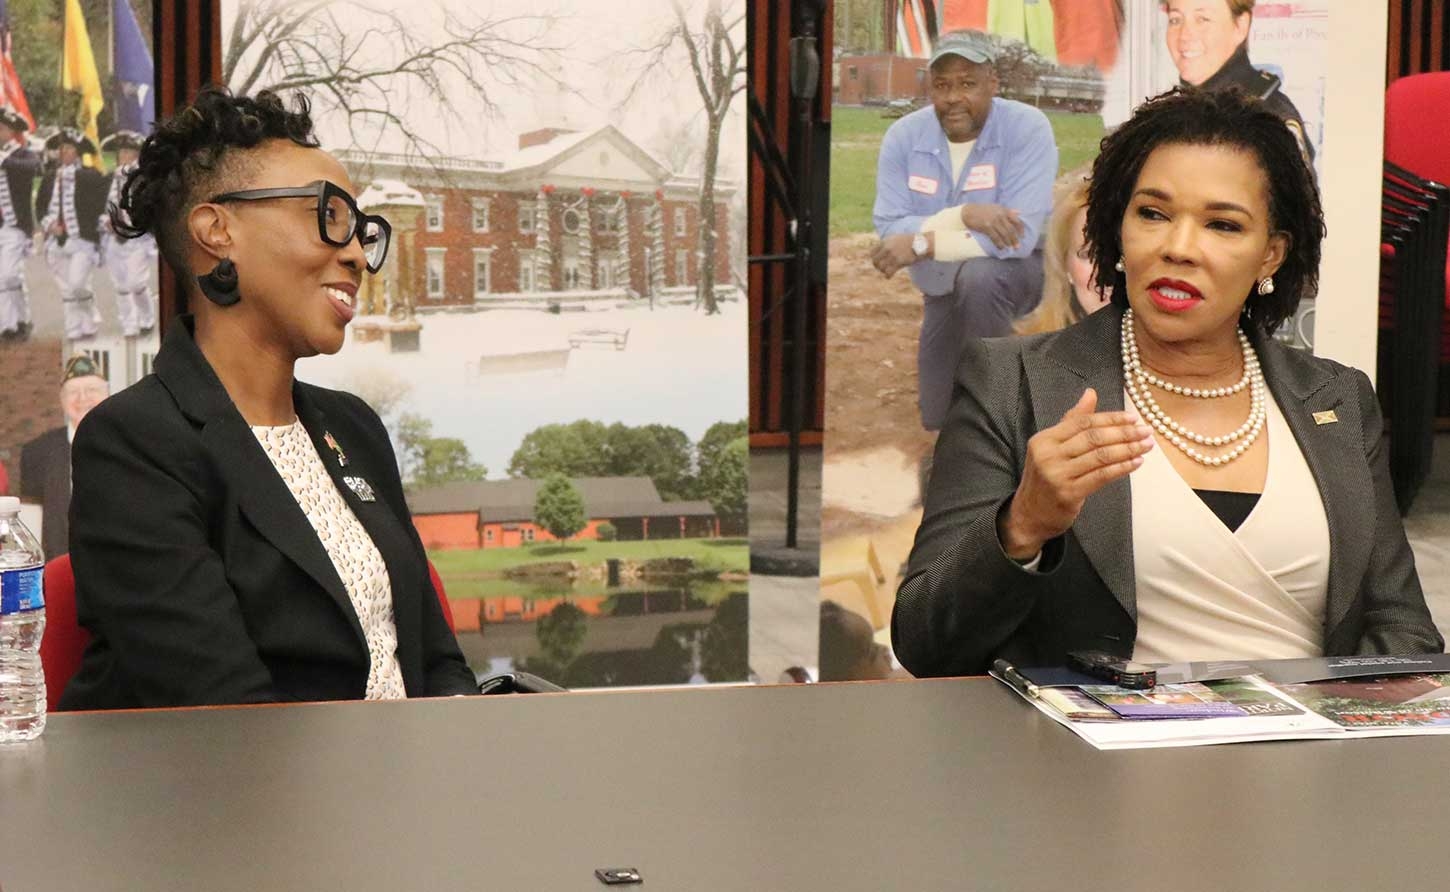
[[1194, 116], [194, 154]]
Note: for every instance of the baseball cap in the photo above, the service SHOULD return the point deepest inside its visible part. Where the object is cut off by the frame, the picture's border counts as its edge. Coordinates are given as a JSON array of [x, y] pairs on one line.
[[974, 46], [79, 366]]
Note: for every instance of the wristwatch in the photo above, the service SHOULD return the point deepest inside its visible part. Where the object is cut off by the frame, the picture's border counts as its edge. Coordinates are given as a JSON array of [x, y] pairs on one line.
[[919, 244]]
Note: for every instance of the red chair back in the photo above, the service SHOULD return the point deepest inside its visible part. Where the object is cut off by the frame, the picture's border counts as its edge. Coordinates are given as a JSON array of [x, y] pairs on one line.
[[64, 640], [1417, 128], [442, 598]]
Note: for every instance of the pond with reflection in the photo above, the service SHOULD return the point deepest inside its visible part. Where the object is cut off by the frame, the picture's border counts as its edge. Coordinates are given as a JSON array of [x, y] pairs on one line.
[[587, 634]]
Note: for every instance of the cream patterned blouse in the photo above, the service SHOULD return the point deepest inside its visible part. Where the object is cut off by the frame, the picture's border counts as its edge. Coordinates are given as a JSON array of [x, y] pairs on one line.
[[352, 551]]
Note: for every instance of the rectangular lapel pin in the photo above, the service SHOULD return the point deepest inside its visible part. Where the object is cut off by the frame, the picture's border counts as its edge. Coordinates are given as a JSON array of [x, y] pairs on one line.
[[360, 488], [1325, 417]]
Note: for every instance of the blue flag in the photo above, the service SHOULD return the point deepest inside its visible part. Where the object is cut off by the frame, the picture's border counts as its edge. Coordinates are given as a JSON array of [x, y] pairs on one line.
[[135, 77]]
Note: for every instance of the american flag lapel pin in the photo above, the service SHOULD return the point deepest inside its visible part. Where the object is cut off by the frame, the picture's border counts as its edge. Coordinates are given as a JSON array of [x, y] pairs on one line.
[[341, 456], [1325, 417]]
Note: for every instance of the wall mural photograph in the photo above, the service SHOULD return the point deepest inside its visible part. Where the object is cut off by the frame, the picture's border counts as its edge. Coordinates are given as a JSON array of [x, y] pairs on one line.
[[557, 343], [1046, 82], [78, 307]]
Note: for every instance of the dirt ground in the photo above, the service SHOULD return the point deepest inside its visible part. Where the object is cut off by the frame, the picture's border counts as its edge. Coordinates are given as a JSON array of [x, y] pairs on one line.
[[872, 325]]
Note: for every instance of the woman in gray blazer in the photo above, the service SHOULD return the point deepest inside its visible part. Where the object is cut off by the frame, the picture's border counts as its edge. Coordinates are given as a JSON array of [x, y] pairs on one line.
[[1163, 480]]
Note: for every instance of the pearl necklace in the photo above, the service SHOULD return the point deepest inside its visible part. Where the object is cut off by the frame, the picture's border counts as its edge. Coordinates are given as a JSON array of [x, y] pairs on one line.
[[1138, 378]]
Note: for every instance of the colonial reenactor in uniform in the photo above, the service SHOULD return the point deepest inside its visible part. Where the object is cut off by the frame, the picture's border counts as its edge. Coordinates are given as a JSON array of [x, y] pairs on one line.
[[17, 222], [70, 203], [129, 261]]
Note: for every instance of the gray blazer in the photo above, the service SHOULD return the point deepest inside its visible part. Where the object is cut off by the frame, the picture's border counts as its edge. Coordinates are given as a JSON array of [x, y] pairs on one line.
[[964, 603]]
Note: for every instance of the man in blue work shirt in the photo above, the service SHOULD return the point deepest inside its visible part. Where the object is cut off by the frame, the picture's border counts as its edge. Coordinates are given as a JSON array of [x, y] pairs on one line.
[[962, 192]]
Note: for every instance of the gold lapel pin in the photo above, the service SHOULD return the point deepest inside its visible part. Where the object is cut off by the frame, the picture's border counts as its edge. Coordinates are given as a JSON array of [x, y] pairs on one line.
[[1326, 417]]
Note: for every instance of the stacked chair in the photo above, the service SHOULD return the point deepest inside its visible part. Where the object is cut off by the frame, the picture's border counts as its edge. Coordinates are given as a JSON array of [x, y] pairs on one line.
[[1414, 226], [1415, 229]]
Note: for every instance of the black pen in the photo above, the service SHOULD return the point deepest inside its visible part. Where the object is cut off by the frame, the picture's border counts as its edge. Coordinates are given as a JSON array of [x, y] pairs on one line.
[[1008, 673]]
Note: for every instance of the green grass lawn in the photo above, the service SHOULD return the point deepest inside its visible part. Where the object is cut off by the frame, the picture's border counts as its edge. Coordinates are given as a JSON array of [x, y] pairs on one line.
[[710, 555], [856, 141]]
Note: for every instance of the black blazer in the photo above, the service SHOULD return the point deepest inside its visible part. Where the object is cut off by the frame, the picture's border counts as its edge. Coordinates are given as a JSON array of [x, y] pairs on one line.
[[199, 576], [964, 603], [93, 188], [45, 478]]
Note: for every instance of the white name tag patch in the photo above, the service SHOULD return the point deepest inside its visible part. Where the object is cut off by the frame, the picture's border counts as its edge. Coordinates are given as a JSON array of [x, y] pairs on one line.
[[981, 176], [924, 185]]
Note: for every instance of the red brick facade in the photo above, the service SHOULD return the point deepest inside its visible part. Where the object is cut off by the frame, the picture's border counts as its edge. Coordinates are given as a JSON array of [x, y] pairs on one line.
[[459, 241], [510, 192], [879, 78]]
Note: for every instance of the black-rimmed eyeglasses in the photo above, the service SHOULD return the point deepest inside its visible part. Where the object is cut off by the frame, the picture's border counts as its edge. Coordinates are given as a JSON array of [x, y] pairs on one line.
[[338, 219]]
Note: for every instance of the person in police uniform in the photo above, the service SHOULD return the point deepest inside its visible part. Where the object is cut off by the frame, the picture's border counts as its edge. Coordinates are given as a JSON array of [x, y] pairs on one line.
[[129, 261], [70, 203], [1209, 43], [17, 222]]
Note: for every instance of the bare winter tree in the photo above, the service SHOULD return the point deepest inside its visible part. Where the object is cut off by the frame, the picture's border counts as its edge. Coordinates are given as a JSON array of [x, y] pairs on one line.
[[381, 63], [677, 143], [1019, 67], [714, 48]]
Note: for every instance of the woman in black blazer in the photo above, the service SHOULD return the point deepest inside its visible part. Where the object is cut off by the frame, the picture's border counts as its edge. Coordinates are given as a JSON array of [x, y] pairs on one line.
[[1059, 518], [239, 536]]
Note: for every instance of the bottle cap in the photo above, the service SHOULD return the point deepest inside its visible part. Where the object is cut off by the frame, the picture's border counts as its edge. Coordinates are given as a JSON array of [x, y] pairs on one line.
[[9, 505]]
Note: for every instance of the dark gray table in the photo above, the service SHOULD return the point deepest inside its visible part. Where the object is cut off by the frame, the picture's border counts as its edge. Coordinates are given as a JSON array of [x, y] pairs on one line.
[[930, 785]]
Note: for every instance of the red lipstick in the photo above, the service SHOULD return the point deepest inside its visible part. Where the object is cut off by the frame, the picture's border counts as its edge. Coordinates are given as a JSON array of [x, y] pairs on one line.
[[1173, 295]]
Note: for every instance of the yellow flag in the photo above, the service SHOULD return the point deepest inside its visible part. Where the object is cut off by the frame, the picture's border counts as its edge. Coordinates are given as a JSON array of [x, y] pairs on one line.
[[78, 70]]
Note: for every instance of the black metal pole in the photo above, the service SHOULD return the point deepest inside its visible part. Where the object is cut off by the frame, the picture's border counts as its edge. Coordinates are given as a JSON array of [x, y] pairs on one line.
[[805, 68]]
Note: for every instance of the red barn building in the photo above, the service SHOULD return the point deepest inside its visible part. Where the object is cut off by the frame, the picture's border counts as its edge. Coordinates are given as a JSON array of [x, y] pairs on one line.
[[500, 513]]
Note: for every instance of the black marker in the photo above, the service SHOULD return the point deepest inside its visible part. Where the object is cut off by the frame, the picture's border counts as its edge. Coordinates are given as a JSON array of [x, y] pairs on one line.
[[1008, 673]]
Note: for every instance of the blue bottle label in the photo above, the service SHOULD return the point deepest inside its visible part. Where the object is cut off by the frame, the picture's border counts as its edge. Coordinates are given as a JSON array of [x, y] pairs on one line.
[[20, 590]]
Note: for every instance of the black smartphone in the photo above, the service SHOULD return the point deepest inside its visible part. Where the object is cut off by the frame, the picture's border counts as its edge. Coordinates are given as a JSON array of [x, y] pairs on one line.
[[1113, 668]]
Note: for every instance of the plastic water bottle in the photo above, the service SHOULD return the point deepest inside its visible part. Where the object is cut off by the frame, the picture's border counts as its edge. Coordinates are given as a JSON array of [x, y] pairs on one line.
[[22, 623]]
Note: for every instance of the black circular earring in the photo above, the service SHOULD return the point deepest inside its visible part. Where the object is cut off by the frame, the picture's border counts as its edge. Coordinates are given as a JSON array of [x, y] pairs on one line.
[[221, 285]]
